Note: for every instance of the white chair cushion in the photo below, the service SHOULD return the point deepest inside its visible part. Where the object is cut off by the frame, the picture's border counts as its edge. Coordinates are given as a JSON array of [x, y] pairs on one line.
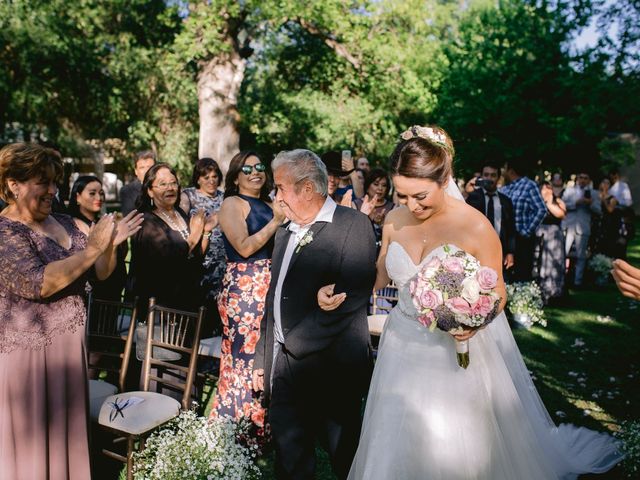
[[376, 323], [210, 347], [140, 418], [98, 392]]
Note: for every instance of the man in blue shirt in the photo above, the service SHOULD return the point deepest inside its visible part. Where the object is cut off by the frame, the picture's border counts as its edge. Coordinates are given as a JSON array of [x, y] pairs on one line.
[[529, 210]]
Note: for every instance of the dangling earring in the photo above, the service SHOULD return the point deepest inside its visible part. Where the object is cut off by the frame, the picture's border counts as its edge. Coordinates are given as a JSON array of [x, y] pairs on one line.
[[15, 195], [151, 201]]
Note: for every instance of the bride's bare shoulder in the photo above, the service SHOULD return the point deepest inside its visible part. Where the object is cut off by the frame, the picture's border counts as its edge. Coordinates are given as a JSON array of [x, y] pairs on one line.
[[473, 223]]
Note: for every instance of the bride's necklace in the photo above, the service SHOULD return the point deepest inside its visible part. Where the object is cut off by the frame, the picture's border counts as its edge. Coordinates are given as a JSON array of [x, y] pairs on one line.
[[180, 226]]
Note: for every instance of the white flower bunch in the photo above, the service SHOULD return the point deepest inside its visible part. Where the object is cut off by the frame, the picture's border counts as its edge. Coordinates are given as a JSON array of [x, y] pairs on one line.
[[601, 264], [306, 239], [629, 436], [191, 447], [427, 133], [525, 298]]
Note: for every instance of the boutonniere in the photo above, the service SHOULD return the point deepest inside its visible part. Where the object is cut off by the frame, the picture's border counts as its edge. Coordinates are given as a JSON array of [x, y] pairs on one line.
[[306, 239]]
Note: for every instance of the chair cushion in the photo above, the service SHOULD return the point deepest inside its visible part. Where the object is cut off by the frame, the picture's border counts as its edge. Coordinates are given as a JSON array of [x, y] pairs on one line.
[[140, 418], [98, 392], [376, 323], [210, 347]]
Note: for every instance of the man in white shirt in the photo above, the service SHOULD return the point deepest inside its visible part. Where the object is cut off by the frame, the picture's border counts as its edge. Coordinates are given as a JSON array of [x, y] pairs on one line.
[[581, 201], [619, 189], [314, 365]]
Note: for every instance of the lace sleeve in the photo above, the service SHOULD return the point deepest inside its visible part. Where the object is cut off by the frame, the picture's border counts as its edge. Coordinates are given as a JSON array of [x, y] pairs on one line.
[[21, 270]]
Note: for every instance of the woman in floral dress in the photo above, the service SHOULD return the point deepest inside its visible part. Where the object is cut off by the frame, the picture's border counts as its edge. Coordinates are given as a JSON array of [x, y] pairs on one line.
[[241, 303], [203, 194]]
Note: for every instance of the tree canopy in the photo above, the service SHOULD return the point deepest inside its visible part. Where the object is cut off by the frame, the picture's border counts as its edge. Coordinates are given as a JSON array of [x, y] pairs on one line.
[[194, 77]]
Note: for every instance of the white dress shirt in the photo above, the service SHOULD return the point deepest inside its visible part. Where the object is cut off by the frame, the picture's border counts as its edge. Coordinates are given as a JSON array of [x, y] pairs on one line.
[[621, 191], [497, 209], [297, 233]]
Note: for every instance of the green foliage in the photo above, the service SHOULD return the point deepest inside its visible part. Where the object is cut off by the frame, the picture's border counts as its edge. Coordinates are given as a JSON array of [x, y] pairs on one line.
[[501, 77]]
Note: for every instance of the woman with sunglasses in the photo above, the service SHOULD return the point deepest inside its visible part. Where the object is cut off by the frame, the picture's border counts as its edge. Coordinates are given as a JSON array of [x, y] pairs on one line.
[[166, 254], [248, 244]]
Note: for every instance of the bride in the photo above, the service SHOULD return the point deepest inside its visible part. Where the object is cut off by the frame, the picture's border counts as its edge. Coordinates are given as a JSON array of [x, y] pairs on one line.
[[427, 418]]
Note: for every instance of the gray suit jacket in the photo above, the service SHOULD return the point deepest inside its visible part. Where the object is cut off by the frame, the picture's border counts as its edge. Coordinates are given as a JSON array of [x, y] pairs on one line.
[[578, 216]]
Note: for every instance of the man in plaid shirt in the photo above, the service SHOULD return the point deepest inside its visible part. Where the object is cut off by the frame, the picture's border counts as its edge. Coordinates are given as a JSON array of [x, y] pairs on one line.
[[529, 209]]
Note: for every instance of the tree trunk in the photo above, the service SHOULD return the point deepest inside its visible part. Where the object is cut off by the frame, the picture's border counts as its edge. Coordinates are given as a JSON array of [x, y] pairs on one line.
[[219, 82]]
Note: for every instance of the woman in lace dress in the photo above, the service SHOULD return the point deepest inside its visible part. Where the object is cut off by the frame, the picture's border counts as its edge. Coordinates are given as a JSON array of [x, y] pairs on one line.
[[427, 418], [44, 260], [203, 194]]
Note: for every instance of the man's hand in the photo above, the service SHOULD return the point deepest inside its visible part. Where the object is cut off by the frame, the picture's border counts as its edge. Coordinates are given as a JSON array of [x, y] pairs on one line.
[[508, 261], [258, 379], [327, 301]]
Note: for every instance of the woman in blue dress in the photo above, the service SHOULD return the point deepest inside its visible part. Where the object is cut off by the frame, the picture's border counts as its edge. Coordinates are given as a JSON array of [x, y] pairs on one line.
[[241, 303]]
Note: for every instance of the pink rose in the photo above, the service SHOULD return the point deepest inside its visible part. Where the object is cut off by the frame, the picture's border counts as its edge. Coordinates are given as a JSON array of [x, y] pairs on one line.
[[458, 306], [453, 264], [487, 278], [483, 306], [430, 299], [430, 268], [427, 319]]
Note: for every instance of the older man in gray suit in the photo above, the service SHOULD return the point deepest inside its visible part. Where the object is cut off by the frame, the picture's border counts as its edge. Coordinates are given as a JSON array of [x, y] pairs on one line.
[[581, 201]]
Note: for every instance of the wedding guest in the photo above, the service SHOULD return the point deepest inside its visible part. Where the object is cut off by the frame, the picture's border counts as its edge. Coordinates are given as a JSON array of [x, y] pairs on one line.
[[363, 164], [496, 206], [203, 194], [130, 193], [85, 206], [557, 185], [340, 188], [248, 221], [529, 210], [551, 256], [581, 201], [376, 204], [613, 234], [166, 254], [358, 177], [619, 189], [44, 260]]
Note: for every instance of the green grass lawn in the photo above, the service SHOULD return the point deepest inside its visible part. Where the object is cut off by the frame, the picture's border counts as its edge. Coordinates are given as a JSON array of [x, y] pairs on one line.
[[585, 363]]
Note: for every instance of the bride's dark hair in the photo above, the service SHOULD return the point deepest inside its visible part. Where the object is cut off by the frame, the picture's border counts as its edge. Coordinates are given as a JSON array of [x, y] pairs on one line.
[[423, 152]]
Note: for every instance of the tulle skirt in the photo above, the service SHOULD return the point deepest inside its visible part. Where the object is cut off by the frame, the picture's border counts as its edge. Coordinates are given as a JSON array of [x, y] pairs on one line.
[[426, 418]]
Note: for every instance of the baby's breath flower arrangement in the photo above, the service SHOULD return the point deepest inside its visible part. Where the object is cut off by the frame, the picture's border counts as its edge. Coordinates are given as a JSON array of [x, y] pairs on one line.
[[196, 448], [601, 265], [629, 435], [524, 301]]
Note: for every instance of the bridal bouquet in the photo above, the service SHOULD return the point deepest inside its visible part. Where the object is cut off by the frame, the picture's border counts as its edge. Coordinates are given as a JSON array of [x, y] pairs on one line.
[[453, 292]]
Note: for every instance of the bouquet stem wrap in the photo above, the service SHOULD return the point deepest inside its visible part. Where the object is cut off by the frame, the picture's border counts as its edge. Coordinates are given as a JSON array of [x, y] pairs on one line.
[[462, 353]]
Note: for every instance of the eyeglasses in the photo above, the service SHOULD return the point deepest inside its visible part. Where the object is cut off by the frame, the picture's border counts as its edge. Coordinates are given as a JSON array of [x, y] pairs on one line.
[[259, 168], [165, 186]]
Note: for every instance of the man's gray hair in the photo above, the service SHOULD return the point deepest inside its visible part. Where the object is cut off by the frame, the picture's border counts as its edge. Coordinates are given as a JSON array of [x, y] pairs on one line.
[[303, 165]]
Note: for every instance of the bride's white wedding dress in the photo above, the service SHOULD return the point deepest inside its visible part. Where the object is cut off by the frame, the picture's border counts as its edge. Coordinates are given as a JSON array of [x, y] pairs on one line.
[[428, 419]]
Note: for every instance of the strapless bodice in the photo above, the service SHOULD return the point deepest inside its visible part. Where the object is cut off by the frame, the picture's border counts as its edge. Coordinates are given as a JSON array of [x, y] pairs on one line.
[[402, 269]]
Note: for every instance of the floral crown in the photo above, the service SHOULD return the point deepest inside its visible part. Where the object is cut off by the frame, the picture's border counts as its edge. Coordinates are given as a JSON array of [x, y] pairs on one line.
[[427, 133]]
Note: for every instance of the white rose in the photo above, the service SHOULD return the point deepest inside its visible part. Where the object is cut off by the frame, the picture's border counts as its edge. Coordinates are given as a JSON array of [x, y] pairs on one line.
[[470, 290]]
